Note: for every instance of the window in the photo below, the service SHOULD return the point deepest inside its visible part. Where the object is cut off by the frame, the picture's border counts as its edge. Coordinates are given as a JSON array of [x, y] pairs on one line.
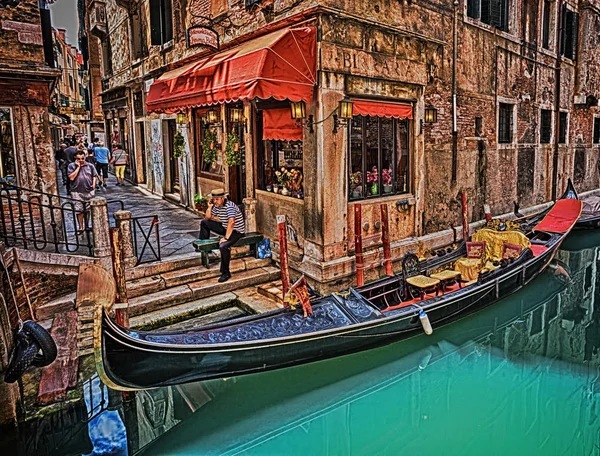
[[138, 40], [378, 157], [161, 21], [106, 58], [568, 39], [7, 149], [562, 128], [491, 12], [546, 24], [505, 123], [545, 126], [64, 100], [71, 81], [596, 130]]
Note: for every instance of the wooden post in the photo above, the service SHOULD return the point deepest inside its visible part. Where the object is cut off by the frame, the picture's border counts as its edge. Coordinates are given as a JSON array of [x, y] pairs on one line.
[[283, 255], [465, 218], [116, 240], [488, 213], [385, 236], [358, 251]]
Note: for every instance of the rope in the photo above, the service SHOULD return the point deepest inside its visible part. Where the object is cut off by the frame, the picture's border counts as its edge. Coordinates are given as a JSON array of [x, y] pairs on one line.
[[12, 291]]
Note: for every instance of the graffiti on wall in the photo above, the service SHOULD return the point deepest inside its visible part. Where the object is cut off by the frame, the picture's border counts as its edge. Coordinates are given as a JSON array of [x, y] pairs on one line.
[[185, 171], [158, 166]]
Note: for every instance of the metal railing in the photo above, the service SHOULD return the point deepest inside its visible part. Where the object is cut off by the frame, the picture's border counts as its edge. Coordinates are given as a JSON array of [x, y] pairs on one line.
[[146, 239]]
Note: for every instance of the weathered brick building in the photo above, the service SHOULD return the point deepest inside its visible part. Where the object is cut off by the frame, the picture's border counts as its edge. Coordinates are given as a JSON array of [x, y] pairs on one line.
[[26, 83], [496, 98]]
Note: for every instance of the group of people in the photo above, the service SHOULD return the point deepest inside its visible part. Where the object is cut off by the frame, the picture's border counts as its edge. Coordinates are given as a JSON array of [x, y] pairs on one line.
[[84, 169]]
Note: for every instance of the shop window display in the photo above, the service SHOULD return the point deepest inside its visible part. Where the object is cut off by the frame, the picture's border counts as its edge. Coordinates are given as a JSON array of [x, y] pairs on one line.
[[282, 168], [378, 157]]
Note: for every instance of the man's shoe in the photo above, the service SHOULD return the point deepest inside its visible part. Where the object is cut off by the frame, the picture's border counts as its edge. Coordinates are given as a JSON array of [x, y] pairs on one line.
[[224, 278]]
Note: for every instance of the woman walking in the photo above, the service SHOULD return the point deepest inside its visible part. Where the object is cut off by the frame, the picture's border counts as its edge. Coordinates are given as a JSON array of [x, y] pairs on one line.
[[120, 162]]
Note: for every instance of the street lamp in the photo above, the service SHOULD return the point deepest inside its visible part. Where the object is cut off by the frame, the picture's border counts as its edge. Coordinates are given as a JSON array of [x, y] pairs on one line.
[[343, 114], [430, 114], [181, 118]]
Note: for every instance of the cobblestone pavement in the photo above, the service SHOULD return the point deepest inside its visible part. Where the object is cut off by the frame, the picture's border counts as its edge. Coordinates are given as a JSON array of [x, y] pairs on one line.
[[177, 227]]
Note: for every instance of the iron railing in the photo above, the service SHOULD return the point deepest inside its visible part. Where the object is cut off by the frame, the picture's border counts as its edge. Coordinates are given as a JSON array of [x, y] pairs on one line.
[[146, 239]]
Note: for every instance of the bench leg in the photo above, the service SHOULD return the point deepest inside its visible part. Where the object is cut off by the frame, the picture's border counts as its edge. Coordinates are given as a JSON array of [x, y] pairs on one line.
[[204, 259]]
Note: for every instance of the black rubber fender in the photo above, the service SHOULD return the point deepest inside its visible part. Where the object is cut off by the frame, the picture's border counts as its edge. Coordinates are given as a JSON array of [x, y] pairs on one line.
[[22, 356], [44, 341]]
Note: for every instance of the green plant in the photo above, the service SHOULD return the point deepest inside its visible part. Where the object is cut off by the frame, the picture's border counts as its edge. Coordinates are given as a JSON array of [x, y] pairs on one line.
[[209, 146], [199, 199], [178, 145], [232, 150]]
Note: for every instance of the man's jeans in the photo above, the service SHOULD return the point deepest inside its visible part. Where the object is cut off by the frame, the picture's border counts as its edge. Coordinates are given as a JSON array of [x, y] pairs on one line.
[[206, 226]]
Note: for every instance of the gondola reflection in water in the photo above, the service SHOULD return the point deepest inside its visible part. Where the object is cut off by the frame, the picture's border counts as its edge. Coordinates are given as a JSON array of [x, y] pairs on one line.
[[374, 315]]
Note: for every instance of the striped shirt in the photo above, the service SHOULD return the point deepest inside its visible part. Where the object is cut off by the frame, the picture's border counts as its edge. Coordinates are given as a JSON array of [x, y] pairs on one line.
[[227, 211], [120, 157]]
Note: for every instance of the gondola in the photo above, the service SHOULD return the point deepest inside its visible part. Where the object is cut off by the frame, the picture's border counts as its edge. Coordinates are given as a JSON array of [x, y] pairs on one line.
[[380, 313], [590, 213]]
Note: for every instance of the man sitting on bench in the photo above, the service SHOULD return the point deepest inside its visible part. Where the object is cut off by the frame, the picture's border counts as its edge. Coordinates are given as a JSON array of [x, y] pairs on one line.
[[225, 218]]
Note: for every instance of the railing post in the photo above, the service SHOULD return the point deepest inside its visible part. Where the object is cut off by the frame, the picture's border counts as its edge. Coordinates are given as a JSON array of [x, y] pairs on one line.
[[118, 263], [358, 250], [123, 222], [283, 254], [465, 218], [385, 237], [100, 226]]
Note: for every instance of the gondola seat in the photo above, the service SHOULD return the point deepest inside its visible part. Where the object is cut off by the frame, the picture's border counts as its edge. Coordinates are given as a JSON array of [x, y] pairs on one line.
[[414, 280], [447, 277]]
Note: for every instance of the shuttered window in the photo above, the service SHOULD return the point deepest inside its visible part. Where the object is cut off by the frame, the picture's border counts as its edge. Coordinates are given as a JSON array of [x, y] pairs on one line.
[[570, 27], [491, 12], [161, 21], [546, 24], [505, 123], [562, 127], [545, 126]]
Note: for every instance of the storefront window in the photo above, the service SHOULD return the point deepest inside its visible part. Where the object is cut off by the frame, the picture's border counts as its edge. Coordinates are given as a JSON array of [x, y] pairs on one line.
[[7, 148], [281, 156], [379, 164], [210, 151]]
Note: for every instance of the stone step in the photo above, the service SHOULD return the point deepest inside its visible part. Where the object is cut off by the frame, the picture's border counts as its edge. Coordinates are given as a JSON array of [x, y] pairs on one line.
[[272, 290], [199, 289], [151, 284], [62, 304]]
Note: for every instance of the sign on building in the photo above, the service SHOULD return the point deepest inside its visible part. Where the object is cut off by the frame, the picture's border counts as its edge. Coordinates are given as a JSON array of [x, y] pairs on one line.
[[200, 35]]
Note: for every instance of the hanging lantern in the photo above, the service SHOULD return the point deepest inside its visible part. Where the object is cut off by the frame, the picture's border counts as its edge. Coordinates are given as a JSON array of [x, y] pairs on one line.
[[181, 118], [236, 115], [345, 108], [298, 109], [430, 114], [212, 116]]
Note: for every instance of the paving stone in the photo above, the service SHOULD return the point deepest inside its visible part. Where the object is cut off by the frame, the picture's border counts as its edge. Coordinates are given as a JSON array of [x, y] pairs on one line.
[[145, 285], [160, 299], [241, 280]]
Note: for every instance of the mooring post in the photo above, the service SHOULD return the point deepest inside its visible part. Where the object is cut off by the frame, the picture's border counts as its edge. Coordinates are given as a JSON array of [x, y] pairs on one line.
[[121, 311], [101, 229], [385, 237], [283, 255], [123, 222], [465, 219], [358, 251], [488, 213]]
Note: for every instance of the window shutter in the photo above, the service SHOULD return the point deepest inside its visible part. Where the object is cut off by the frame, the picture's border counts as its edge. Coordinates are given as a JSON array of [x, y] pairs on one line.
[[155, 23], [574, 35], [563, 34], [167, 21], [474, 8], [497, 13], [486, 11]]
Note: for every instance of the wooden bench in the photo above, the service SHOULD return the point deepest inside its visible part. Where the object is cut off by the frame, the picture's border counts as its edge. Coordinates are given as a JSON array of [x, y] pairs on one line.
[[204, 246]]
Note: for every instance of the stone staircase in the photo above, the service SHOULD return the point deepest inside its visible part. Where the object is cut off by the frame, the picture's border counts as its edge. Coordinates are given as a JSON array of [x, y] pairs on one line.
[[166, 284]]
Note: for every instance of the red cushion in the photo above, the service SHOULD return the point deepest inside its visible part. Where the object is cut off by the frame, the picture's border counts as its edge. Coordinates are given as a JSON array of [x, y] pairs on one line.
[[475, 249], [511, 250]]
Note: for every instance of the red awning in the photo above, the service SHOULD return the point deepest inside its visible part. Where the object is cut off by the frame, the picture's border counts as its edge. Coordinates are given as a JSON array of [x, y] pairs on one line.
[[382, 109], [280, 65], [561, 217], [278, 124]]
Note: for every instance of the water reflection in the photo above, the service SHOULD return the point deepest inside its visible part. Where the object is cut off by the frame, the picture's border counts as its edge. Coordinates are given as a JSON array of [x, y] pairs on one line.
[[520, 377]]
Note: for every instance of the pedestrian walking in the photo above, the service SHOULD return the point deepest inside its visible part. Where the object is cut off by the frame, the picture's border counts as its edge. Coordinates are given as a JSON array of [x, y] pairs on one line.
[[103, 157], [61, 158], [119, 158], [83, 177], [70, 158]]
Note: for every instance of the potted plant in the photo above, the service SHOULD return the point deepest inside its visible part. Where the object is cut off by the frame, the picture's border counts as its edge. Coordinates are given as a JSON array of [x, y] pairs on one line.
[[372, 180], [178, 144], [200, 202], [386, 180], [232, 150], [355, 184], [209, 146]]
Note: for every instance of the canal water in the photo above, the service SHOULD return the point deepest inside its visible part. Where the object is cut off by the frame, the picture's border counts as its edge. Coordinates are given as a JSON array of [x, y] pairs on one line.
[[518, 378]]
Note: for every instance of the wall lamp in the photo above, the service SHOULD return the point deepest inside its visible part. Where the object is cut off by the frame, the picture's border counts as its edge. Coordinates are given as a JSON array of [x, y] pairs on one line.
[[236, 116], [213, 118], [341, 115], [181, 118], [430, 114]]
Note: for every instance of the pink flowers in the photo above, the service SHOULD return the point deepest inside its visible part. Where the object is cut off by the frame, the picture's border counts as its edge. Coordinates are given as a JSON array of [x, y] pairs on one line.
[[386, 176], [373, 175]]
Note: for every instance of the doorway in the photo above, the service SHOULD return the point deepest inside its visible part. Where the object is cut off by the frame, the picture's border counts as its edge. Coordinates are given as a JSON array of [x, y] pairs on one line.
[[173, 184], [237, 173], [141, 150]]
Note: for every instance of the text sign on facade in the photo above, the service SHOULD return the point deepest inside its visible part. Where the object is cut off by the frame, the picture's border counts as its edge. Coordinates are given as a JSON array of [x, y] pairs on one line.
[[199, 35]]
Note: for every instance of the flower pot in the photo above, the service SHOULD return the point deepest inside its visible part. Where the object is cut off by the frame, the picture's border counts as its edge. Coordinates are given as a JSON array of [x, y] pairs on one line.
[[285, 191], [201, 207], [355, 194], [276, 188], [269, 188], [374, 189], [387, 189]]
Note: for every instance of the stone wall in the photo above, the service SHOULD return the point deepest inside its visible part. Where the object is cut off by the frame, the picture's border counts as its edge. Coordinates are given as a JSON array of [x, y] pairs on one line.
[[21, 36]]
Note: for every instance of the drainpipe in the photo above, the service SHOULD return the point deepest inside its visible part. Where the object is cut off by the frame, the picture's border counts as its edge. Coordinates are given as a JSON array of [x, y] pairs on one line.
[[559, 5], [454, 83]]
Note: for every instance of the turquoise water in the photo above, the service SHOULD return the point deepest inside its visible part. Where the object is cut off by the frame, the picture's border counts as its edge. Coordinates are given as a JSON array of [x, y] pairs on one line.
[[519, 378]]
